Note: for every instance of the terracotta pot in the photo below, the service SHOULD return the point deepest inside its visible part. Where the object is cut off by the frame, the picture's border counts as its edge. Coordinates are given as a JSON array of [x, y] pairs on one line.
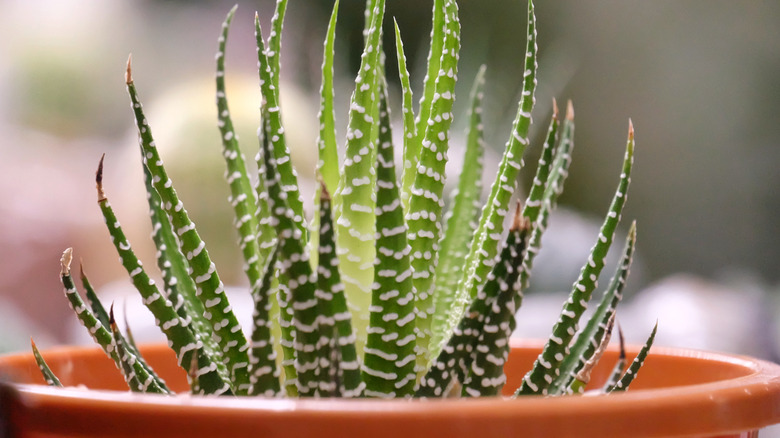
[[678, 393]]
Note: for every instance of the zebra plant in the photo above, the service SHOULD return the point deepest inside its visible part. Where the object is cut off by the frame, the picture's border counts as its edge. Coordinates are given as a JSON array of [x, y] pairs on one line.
[[384, 293]]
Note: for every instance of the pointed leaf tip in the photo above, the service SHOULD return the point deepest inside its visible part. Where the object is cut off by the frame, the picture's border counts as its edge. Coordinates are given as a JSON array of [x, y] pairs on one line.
[[324, 193], [569, 110], [111, 319], [65, 260], [519, 222], [129, 71], [99, 180], [555, 108], [630, 129]]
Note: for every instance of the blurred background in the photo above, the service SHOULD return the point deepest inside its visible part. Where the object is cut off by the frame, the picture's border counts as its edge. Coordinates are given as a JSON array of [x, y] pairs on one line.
[[700, 80]]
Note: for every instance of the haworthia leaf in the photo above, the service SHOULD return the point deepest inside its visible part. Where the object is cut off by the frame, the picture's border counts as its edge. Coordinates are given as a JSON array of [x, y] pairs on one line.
[[144, 382], [543, 372], [551, 173], [582, 377], [454, 362], [355, 196], [178, 287], [411, 144], [485, 244], [328, 162], [343, 379], [486, 377], [389, 361], [99, 332], [412, 149], [263, 373], [242, 195], [620, 366], [296, 276], [560, 166], [275, 42], [210, 289], [588, 339], [533, 203], [180, 336], [96, 329], [272, 124], [328, 159], [94, 303], [129, 334], [460, 220], [48, 375], [558, 171], [636, 365], [158, 385], [426, 202], [280, 291]]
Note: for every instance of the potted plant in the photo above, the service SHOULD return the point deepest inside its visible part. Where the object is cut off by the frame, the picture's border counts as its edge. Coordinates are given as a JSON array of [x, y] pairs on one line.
[[432, 297]]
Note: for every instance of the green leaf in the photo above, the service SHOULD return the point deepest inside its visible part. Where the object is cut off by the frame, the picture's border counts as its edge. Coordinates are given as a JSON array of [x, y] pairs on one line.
[[263, 373], [636, 365], [491, 350], [343, 368], [271, 113], [426, 202], [144, 382], [588, 339], [355, 197], [389, 361], [454, 362], [620, 366], [48, 374], [94, 303], [210, 289], [411, 143], [484, 246], [412, 149], [582, 377], [156, 384], [328, 163], [178, 287], [242, 194], [181, 337], [461, 219], [557, 169], [275, 42], [100, 333], [328, 159], [533, 203], [297, 280], [542, 374]]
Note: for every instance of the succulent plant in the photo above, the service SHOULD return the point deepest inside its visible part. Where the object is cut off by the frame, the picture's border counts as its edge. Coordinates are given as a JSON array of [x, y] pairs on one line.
[[384, 293]]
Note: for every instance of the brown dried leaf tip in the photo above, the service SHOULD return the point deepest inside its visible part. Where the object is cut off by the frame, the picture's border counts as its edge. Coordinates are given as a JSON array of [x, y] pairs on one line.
[[65, 260], [519, 222], [99, 180], [111, 319], [324, 193], [129, 71]]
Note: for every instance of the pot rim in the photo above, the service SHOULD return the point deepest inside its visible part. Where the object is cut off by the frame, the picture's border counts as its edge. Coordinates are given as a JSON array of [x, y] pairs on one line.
[[746, 402]]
